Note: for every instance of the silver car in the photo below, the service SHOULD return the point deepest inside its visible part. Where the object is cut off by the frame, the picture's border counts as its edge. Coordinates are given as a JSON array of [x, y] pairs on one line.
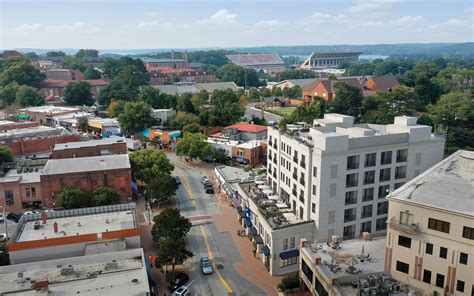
[[206, 266]]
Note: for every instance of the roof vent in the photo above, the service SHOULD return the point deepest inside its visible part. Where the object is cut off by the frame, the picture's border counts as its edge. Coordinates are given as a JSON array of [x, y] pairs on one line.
[[68, 270], [467, 162], [19, 278]]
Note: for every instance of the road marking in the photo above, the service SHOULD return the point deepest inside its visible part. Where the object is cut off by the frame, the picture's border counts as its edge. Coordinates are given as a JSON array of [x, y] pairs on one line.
[[209, 253], [188, 190]]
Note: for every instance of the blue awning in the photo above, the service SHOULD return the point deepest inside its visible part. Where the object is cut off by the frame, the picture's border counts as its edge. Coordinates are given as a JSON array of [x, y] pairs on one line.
[[135, 189], [266, 250], [248, 223], [253, 231], [289, 254]]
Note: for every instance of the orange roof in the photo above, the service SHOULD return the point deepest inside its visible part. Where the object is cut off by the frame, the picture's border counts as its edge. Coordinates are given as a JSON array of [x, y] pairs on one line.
[[248, 127]]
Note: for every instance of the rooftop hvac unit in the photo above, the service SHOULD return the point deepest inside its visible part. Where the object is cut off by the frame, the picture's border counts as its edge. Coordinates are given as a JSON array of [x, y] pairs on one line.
[[37, 225], [68, 270]]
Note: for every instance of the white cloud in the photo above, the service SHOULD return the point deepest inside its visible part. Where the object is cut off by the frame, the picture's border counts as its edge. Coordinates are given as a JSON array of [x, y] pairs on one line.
[[222, 16], [28, 27], [271, 24], [320, 15], [76, 27], [453, 23], [407, 21]]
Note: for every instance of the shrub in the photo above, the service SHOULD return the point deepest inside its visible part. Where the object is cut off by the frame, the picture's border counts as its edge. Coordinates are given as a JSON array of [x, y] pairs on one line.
[[281, 287], [291, 282], [246, 169], [104, 196]]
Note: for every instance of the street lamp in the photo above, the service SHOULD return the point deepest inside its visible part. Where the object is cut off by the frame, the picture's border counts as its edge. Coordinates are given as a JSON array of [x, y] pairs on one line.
[[5, 221]]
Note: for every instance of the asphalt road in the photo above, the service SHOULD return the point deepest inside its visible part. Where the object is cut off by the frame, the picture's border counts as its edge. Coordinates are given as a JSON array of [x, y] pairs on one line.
[[204, 240], [250, 110]]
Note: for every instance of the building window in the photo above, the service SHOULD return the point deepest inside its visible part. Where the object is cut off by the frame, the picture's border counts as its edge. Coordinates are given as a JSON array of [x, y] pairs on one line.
[[438, 225], [9, 200], [315, 172], [386, 158], [384, 175], [429, 249], [366, 227], [382, 208], [28, 192], [427, 276], [402, 155], [383, 191], [418, 159], [333, 171], [351, 198], [463, 258], [348, 232], [320, 290], [468, 232], [332, 190], [368, 194], [380, 224], [460, 286], [240, 153], [303, 161], [285, 244], [289, 261], [366, 211], [400, 172], [443, 252], [353, 162], [350, 215], [440, 280], [307, 271], [292, 242], [369, 177], [314, 189], [398, 185], [404, 241], [370, 160], [402, 267], [352, 180], [313, 207], [406, 218]]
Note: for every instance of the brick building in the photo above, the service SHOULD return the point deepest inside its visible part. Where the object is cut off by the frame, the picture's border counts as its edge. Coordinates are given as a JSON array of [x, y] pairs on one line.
[[45, 114], [325, 88], [64, 74], [57, 86], [20, 189], [88, 173], [107, 146], [249, 153]]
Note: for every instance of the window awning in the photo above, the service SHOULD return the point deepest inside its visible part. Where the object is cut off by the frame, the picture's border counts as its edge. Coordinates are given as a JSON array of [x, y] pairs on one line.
[[248, 223], [258, 239], [266, 250], [289, 254], [253, 231]]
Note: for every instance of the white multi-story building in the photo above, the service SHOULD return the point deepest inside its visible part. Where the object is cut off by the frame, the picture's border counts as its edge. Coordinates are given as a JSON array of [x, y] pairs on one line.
[[430, 238], [338, 174]]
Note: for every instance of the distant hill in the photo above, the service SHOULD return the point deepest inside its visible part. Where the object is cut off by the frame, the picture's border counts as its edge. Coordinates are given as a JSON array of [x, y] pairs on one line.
[[394, 51]]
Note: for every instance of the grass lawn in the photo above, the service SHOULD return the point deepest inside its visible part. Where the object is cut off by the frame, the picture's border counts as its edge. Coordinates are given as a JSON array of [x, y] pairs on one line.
[[283, 111]]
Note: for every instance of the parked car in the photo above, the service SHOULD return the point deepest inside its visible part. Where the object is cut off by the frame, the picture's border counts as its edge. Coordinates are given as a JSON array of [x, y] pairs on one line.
[[182, 291], [206, 266], [2, 219], [178, 281], [209, 190], [178, 180], [31, 212], [205, 180], [14, 217], [3, 237]]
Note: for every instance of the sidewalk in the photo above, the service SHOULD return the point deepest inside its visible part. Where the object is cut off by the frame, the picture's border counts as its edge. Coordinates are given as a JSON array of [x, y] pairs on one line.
[[250, 268]]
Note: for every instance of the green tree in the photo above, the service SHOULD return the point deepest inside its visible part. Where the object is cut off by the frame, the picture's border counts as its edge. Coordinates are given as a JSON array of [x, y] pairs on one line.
[[135, 117], [254, 95], [427, 92], [295, 74], [185, 104], [28, 96], [425, 119], [307, 113], [162, 187], [147, 164], [225, 108], [397, 102], [241, 76], [104, 196], [200, 99], [92, 53], [192, 128], [172, 252], [20, 70], [170, 224], [156, 99], [133, 76], [115, 90], [182, 119], [91, 73], [8, 94], [265, 93], [115, 108], [71, 198], [31, 55], [348, 100], [73, 63], [276, 91], [6, 154], [78, 94], [220, 155], [55, 53], [454, 110], [193, 146]]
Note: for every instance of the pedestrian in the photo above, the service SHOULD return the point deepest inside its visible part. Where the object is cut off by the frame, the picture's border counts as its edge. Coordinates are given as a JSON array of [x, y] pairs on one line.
[[151, 260]]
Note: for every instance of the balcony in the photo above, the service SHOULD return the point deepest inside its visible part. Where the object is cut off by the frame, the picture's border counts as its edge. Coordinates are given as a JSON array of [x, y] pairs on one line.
[[395, 224]]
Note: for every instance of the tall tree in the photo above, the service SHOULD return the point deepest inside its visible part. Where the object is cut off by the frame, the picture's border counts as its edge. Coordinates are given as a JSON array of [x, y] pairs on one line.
[[135, 117], [91, 73], [73, 63], [184, 103], [115, 108], [56, 53], [78, 94], [225, 108], [307, 113], [254, 95], [161, 187], [6, 154], [28, 96], [454, 110], [193, 146], [155, 98], [71, 198], [147, 164], [19, 70], [104, 196], [172, 252], [348, 100], [182, 119], [170, 224], [8, 93], [91, 53], [115, 90], [200, 99], [241, 76]]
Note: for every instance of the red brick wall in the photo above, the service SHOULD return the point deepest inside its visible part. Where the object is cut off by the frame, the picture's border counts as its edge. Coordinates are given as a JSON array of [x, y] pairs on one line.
[[18, 125], [41, 144], [19, 195], [116, 148], [119, 180], [254, 155]]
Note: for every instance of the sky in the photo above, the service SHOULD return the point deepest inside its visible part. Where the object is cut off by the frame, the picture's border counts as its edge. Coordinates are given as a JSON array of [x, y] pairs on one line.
[[147, 24]]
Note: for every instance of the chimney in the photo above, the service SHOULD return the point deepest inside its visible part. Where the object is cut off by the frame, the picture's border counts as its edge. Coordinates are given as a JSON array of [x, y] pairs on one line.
[[55, 225], [44, 216]]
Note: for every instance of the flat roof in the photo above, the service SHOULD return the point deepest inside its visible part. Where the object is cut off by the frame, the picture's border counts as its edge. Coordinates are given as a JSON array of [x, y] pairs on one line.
[[233, 174], [24, 177], [86, 164], [114, 273], [249, 144], [36, 131], [90, 143], [447, 185], [49, 109], [78, 225]]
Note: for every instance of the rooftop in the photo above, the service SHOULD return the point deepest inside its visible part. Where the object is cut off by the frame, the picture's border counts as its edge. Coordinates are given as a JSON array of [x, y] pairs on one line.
[[153, 60], [275, 209], [248, 127], [22, 175], [255, 59], [196, 87], [86, 164], [249, 144], [50, 109], [453, 177], [90, 143], [114, 273], [30, 132]]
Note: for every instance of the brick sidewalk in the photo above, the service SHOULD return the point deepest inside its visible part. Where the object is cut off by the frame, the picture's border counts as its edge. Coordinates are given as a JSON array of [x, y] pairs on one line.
[[250, 268]]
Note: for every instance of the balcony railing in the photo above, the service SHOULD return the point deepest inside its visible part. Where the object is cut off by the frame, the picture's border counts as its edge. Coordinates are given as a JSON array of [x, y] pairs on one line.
[[409, 228]]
